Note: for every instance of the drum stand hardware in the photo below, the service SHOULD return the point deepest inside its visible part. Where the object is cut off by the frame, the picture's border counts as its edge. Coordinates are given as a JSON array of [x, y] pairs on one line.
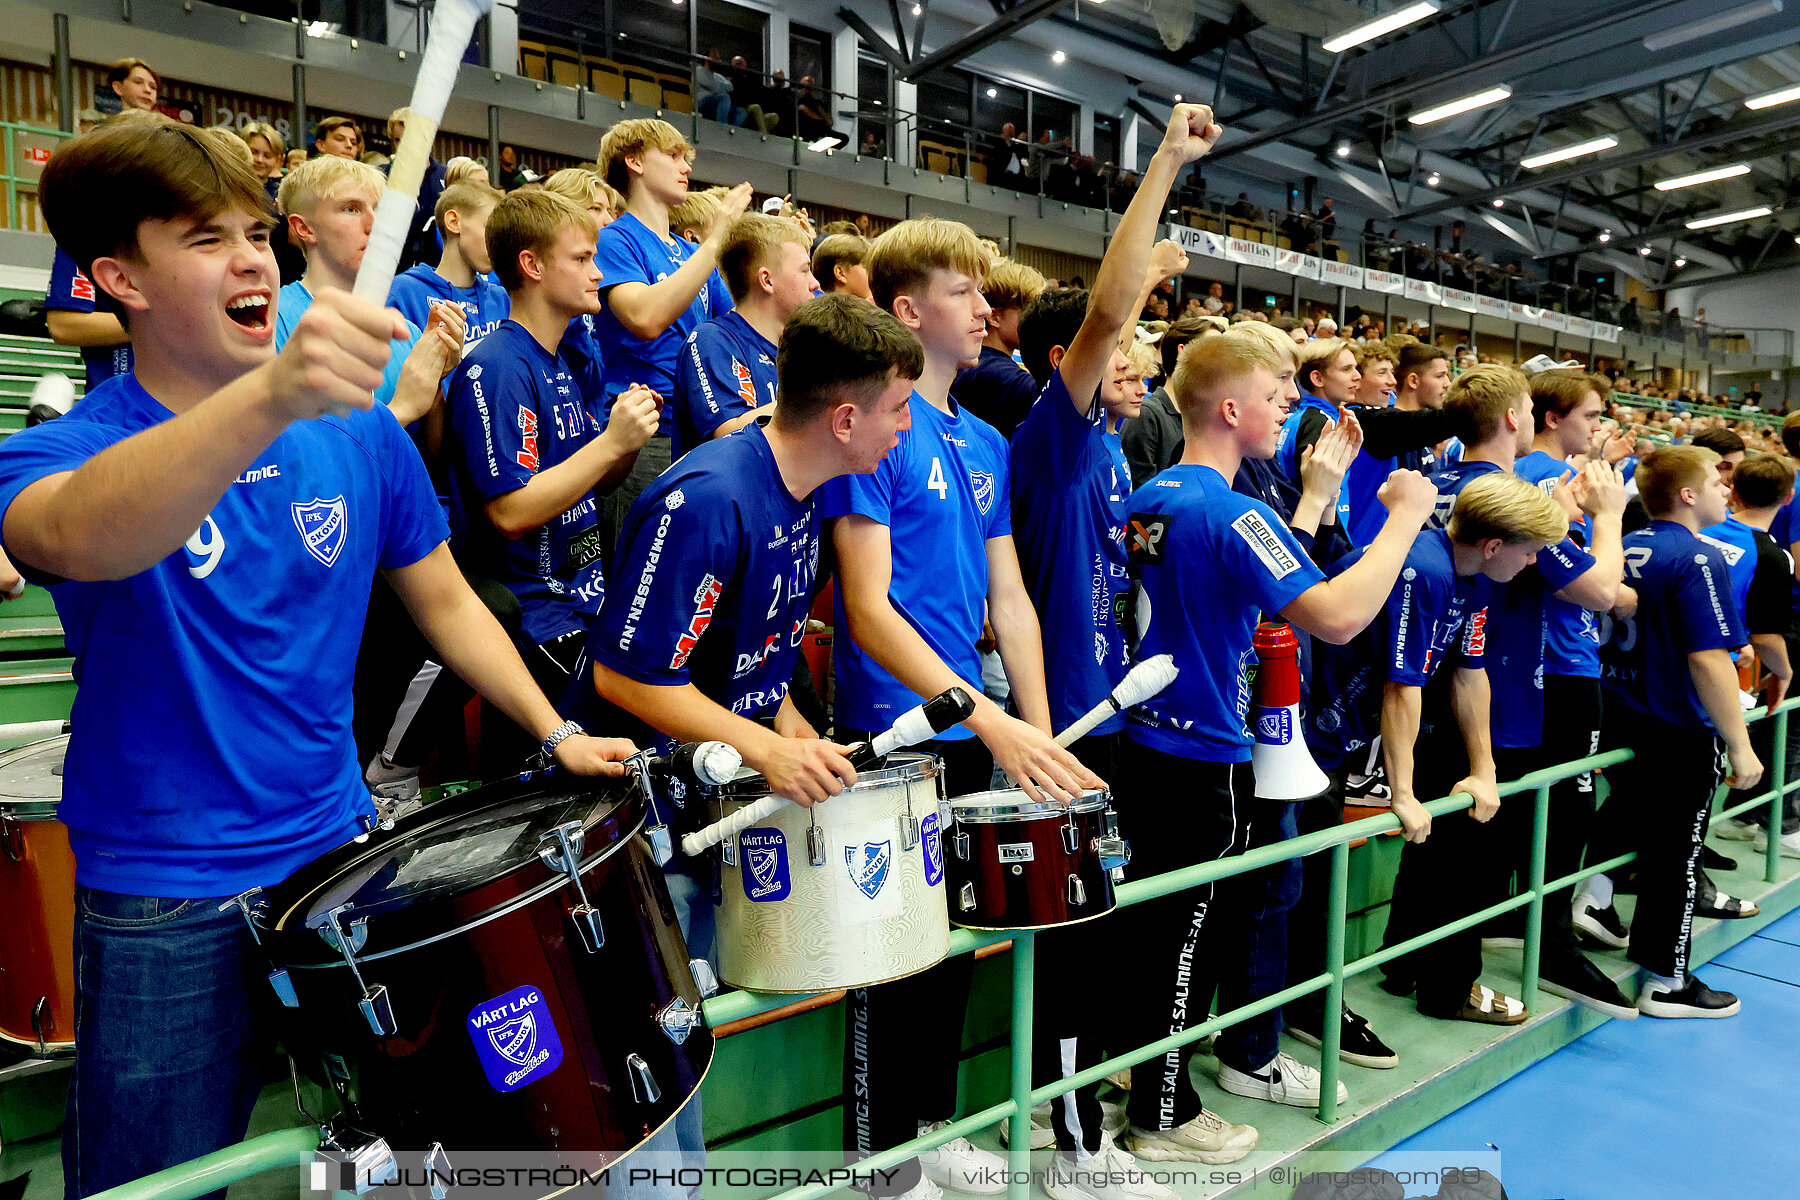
[[250, 906], [560, 848], [643, 1083], [815, 841], [377, 1009], [368, 1156], [1113, 851], [678, 1020], [662, 845]]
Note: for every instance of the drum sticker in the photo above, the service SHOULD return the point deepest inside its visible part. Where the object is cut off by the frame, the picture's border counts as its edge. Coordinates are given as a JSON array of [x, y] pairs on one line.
[[1274, 727], [934, 849], [1017, 852], [868, 888], [763, 853], [515, 1039]]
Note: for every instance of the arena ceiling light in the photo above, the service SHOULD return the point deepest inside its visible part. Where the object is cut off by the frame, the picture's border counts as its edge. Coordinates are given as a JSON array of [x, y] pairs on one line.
[[1644, 250], [1680, 262], [1469, 103], [1698, 177], [1059, 58], [1368, 31], [1605, 235], [1343, 149], [1731, 18], [1771, 99], [1433, 179], [1564, 153], [1742, 214]]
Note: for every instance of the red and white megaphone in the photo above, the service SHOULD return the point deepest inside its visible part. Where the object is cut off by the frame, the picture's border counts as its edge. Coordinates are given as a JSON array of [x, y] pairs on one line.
[[1283, 766]]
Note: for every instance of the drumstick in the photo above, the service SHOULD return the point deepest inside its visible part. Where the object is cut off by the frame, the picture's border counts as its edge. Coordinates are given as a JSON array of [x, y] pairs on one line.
[[915, 725], [34, 729], [1140, 683], [452, 25]]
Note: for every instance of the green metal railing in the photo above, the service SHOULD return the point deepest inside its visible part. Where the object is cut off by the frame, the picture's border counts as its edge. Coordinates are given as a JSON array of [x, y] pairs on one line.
[[288, 1147], [10, 132]]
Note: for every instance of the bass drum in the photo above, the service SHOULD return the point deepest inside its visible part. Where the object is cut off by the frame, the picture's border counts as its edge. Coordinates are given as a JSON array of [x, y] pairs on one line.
[[37, 902], [499, 971]]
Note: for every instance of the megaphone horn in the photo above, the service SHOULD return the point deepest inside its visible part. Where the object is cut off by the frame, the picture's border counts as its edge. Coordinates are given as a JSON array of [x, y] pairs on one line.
[[1283, 767]]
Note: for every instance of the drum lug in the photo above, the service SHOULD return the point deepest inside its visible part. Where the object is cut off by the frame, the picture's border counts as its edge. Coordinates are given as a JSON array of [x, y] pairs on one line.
[[959, 845], [377, 1009], [662, 846], [1071, 835], [1077, 892], [42, 1024], [705, 978], [248, 904], [728, 851], [362, 1161], [678, 1020], [967, 899], [1109, 822], [815, 845], [643, 1083], [12, 839], [560, 848], [909, 830], [439, 1177]]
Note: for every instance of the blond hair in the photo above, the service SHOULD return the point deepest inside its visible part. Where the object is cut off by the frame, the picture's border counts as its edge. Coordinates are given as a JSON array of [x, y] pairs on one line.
[[577, 183], [231, 140], [1286, 353], [1210, 368], [750, 244], [695, 213], [615, 203], [324, 178], [1370, 352], [267, 132], [1011, 284], [1502, 505], [460, 168], [634, 139], [465, 197], [1662, 473], [1477, 403], [529, 221], [837, 250], [902, 259], [1317, 355], [1144, 358]]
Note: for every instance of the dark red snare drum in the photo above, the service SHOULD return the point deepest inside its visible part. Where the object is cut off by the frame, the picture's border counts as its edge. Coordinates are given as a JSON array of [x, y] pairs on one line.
[[1016, 863], [499, 971], [37, 902]]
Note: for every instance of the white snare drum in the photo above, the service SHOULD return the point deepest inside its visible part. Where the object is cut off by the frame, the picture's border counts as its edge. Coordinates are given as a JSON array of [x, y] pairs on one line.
[[842, 895]]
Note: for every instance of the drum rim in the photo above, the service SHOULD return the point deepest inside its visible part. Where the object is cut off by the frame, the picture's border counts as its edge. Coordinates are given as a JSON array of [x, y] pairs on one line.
[[34, 809], [967, 809], [920, 767]]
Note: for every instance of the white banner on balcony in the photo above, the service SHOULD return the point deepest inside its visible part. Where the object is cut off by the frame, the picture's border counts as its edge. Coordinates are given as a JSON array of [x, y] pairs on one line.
[[1342, 274], [1425, 290], [1581, 327], [1491, 306], [1460, 300], [1251, 254], [1549, 318], [1605, 332], [1527, 313], [1385, 281], [1295, 263], [1197, 242]]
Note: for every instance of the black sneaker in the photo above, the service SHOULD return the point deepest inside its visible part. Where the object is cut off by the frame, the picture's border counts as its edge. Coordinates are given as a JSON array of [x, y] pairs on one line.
[[1712, 860], [1357, 1043], [1691, 999], [1573, 977], [1603, 925]]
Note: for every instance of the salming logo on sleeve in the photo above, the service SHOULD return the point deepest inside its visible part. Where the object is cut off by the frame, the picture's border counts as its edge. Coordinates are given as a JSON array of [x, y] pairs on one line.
[[1263, 541]]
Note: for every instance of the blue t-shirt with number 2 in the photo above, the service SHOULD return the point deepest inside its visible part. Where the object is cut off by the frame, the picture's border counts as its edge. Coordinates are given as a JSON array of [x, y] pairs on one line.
[[726, 369], [942, 493], [212, 749]]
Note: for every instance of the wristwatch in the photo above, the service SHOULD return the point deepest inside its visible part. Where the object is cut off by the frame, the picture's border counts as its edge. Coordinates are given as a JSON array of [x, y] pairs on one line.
[[547, 752]]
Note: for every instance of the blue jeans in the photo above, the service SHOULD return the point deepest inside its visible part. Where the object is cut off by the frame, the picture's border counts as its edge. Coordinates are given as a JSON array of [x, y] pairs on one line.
[[1253, 943], [677, 1146], [172, 1019], [718, 106]]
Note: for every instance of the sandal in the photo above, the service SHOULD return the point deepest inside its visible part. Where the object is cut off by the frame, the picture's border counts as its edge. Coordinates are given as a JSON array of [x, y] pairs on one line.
[[1485, 1006], [1725, 907]]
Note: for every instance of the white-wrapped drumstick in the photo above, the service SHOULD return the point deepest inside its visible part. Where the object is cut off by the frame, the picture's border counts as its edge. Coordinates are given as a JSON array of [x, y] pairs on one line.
[[1140, 683]]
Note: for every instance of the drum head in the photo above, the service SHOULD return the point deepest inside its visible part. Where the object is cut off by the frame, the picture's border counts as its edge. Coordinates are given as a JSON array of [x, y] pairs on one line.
[[1012, 804], [31, 783], [902, 766]]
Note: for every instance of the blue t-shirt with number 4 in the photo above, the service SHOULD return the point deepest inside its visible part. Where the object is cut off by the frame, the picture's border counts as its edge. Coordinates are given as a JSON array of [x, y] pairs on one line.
[[726, 369], [212, 749], [516, 409], [1070, 488], [1209, 560], [942, 492]]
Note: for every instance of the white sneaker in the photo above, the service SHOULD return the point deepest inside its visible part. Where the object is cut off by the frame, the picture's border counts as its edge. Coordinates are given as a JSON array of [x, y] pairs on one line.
[[957, 1164], [1121, 1079], [922, 1190], [1733, 830], [1207, 1139], [1284, 1080], [1043, 1131], [1790, 843], [1109, 1174]]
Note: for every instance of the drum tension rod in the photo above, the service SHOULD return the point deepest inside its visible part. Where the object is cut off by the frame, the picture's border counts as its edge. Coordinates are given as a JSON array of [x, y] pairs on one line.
[[1071, 835], [377, 1009], [656, 831], [560, 848], [251, 906], [815, 840], [12, 838], [643, 1083]]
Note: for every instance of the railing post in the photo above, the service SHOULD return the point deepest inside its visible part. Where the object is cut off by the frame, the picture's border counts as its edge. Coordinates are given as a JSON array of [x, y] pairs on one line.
[[1018, 1157], [65, 79], [1331, 1032], [1534, 913], [1777, 801]]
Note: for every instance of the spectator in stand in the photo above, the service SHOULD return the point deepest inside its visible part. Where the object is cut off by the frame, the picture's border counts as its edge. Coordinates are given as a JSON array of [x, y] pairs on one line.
[[460, 276], [339, 137], [1375, 363], [657, 288], [267, 150], [422, 242], [838, 264], [1325, 226], [1123, 191], [996, 387], [753, 94], [513, 174], [136, 84], [1214, 304], [1152, 440], [1243, 210], [870, 146], [1010, 166], [716, 86], [814, 120], [1156, 307], [296, 157], [580, 185], [1326, 328], [690, 218], [463, 168]]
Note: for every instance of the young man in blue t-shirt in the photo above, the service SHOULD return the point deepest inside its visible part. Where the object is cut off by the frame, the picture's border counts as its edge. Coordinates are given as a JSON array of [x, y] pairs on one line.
[[527, 442], [1328, 380], [725, 376], [1672, 698], [997, 389], [657, 288], [1209, 562], [460, 277], [210, 537], [1400, 436], [925, 559]]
